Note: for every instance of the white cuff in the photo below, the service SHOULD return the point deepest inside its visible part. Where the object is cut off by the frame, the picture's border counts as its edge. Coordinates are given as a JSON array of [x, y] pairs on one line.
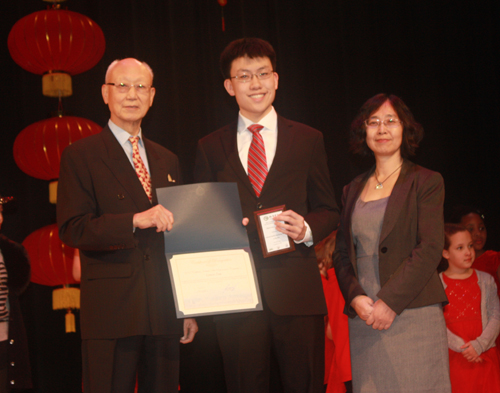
[[308, 237]]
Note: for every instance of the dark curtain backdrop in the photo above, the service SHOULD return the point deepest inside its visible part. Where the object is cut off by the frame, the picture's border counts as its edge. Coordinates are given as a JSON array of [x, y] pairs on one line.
[[440, 56]]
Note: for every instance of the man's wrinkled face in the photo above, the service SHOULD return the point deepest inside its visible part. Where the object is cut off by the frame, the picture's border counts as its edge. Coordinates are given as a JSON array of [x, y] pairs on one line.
[[128, 106]]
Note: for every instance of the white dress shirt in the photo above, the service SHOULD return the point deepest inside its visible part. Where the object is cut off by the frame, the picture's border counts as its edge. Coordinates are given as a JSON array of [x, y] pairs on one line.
[[270, 136]]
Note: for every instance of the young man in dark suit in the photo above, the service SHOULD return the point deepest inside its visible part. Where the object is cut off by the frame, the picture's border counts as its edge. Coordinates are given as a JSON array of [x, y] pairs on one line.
[[107, 208], [274, 161]]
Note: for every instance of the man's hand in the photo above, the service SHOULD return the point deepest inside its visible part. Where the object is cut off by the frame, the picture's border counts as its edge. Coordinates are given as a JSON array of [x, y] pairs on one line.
[[292, 225], [157, 217], [190, 329], [363, 306], [382, 316]]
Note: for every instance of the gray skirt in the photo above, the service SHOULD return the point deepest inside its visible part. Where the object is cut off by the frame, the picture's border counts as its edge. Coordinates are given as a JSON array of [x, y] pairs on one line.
[[411, 356]]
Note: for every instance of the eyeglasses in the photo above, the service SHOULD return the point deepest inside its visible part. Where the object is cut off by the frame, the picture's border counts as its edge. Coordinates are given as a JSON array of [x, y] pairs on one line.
[[389, 123], [124, 87], [244, 77]]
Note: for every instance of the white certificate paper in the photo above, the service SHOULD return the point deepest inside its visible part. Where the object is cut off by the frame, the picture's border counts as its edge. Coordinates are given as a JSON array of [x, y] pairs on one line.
[[214, 282], [274, 240]]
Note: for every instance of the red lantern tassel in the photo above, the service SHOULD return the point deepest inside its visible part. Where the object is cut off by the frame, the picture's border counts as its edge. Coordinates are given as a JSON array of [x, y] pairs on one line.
[[222, 3]]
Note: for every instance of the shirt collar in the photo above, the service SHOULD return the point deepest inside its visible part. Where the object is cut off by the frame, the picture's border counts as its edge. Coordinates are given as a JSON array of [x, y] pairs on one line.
[[269, 121], [121, 135]]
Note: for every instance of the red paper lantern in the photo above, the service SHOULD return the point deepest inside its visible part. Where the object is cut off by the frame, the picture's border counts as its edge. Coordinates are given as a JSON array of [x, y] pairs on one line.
[[38, 148], [52, 265], [56, 43], [51, 259]]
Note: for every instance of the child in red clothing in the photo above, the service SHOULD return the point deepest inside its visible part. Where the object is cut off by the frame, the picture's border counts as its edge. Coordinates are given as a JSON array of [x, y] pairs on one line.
[[472, 317], [337, 353], [473, 219]]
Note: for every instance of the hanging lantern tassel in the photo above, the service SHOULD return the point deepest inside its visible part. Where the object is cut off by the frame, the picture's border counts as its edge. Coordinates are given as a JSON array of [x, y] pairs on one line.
[[67, 298], [70, 322], [222, 4]]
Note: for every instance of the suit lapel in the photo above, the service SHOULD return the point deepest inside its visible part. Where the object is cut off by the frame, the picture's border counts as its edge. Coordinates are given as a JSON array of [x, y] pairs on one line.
[[285, 140], [119, 164], [397, 199], [230, 145], [354, 192]]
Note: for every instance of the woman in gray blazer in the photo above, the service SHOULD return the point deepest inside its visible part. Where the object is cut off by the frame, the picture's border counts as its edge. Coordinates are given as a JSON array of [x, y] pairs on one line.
[[389, 244]]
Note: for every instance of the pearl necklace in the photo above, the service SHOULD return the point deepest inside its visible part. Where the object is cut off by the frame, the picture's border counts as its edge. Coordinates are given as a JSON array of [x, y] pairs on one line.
[[380, 184]]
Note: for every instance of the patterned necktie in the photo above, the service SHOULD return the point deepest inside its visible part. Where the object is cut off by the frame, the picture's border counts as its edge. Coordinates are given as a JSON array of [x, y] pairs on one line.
[[140, 168], [257, 164]]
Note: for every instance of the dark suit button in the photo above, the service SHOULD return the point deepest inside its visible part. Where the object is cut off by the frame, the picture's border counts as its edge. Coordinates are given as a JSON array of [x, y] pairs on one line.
[[146, 257], [259, 205], [121, 196], [383, 250]]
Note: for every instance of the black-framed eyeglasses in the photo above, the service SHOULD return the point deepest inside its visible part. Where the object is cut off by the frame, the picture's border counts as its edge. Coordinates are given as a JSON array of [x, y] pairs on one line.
[[244, 77], [125, 87], [389, 123]]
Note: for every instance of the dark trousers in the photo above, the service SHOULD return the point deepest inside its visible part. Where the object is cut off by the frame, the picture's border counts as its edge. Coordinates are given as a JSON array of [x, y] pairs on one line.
[[112, 366], [297, 343]]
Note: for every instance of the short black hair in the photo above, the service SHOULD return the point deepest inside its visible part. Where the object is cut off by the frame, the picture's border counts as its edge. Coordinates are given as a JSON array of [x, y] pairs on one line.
[[413, 132], [460, 211], [245, 47]]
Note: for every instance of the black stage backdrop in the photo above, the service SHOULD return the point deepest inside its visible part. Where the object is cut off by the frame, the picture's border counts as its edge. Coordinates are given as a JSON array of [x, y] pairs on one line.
[[440, 56]]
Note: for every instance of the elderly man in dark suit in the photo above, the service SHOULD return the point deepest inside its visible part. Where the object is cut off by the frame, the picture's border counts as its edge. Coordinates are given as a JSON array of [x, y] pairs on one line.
[[274, 161], [107, 208]]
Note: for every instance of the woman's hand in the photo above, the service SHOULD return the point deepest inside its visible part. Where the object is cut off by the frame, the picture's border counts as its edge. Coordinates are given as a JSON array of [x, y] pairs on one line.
[[381, 317], [363, 306], [470, 353]]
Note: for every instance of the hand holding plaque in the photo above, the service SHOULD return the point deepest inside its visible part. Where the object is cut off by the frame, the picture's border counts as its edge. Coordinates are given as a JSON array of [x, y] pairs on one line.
[[273, 242]]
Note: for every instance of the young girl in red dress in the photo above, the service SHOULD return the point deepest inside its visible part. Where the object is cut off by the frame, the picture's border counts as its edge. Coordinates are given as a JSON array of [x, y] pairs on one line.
[[473, 219], [472, 317]]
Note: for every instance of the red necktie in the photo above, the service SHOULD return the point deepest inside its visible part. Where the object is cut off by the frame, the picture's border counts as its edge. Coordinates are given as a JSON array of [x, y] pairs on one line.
[[257, 164], [140, 168]]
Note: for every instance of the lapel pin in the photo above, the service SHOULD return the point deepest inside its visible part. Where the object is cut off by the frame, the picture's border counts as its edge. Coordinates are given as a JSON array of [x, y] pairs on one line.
[[170, 179]]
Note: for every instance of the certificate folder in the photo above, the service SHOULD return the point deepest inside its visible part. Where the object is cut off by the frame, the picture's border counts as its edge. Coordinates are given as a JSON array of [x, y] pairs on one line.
[[208, 254]]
